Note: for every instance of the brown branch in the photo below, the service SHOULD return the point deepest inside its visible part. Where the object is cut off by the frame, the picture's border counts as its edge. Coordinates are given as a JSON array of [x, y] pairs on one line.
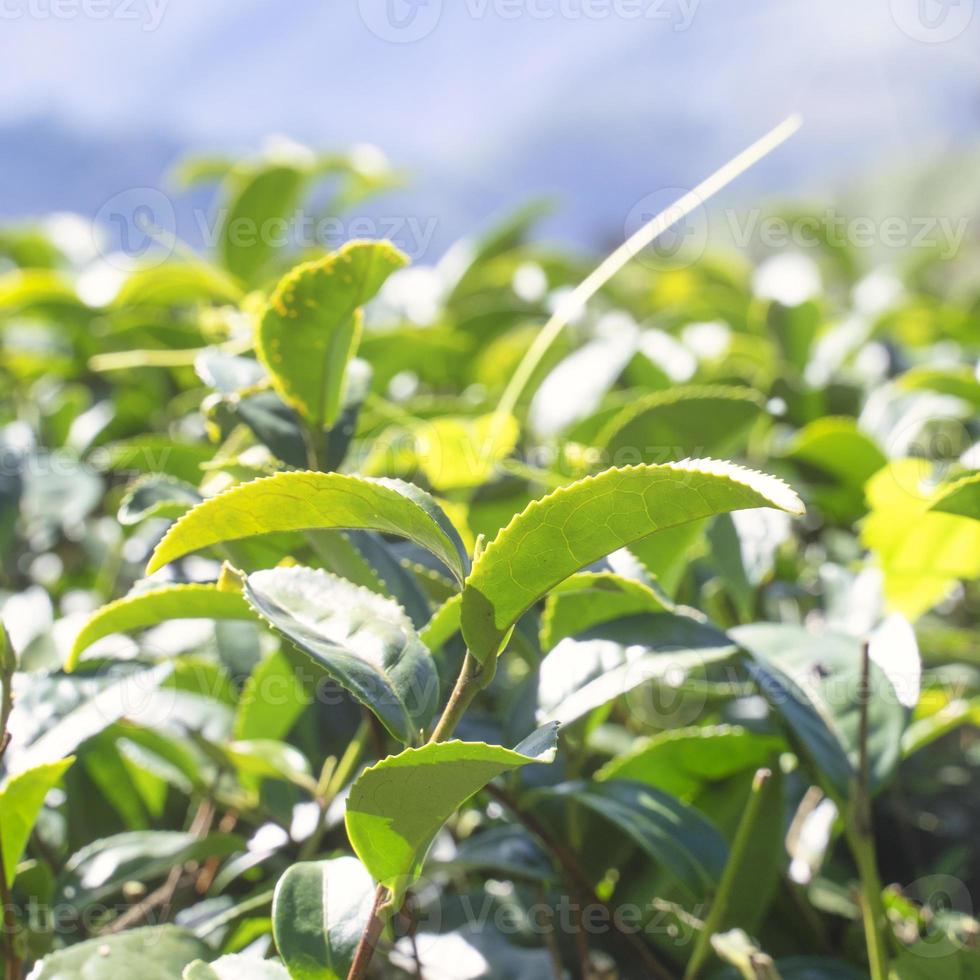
[[370, 937], [140, 912]]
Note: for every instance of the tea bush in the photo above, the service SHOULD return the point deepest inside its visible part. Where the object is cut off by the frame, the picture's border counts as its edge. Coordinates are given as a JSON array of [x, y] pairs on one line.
[[331, 649]]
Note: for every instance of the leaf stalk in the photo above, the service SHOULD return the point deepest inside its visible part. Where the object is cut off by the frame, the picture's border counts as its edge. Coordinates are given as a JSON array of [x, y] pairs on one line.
[[733, 868]]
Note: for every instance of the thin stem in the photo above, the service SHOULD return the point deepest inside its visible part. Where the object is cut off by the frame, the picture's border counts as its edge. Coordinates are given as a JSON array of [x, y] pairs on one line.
[[468, 683], [576, 873], [262, 900], [733, 869], [11, 960], [576, 300], [860, 837], [557, 967], [8, 666], [872, 907], [582, 945], [369, 940], [313, 443], [338, 777]]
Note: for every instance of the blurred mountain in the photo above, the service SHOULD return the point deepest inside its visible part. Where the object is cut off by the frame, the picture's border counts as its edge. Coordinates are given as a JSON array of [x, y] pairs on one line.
[[485, 110]]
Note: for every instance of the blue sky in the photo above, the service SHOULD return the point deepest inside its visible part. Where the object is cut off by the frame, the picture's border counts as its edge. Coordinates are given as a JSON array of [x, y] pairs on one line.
[[596, 102]]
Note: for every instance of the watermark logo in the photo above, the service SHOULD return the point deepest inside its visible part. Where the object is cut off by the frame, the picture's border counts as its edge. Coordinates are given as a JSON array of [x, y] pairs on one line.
[[401, 21], [943, 901], [666, 690], [142, 228], [932, 21], [936, 443], [685, 235]]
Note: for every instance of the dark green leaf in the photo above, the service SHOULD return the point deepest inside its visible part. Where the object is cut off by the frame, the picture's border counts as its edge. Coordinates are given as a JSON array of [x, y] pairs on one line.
[[159, 953], [319, 913], [363, 641]]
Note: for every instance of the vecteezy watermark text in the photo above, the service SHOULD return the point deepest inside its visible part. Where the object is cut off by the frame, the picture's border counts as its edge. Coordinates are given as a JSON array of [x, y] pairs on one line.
[[411, 233], [142, 224], [688, 236], [404, 21], [148, 14], [941, 232]]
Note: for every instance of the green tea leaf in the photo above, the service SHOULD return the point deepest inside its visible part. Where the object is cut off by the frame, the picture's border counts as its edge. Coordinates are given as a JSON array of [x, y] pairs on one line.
[[453, 452], [680, 422], [682, 760], [960, 382], [319, 913], [925, 730], [363, 641], [95, 713], [443, 625], [236, 967], [961, 497], [392, 836], [261, 197], [154, 455], [578, 524], [306, 501], [266, 758], [839, 448], [813, 682], [156, 496], [272, 700], [311, 329], [177, 283], [589, 598], [101, 868], [613, 659], [673, 834], [21, 799], [157, 953], [922, 551], [150, 606]]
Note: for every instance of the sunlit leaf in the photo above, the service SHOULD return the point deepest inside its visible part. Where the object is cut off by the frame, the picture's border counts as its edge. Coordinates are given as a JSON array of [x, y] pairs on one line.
[[156, 953], [150, 606], [578, 524], [392, 838], [305, 501], [312, 326], [961, 497], [236, 967], [922, 552], [21, 799]]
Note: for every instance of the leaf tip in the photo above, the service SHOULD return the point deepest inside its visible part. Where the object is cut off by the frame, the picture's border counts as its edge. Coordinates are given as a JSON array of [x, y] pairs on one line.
[[778, 492]]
